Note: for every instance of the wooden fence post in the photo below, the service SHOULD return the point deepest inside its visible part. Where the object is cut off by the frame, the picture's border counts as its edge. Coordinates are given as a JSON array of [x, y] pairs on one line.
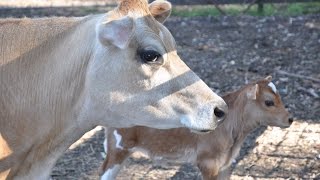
[[260, 7]]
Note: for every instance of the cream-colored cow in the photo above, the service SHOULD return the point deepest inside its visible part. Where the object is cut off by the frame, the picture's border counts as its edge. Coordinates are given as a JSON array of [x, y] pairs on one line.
[[60, 77]]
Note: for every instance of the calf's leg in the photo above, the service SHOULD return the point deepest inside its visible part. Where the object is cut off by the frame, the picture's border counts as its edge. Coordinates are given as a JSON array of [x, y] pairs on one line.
[[225, 174], [209, 169], [116, 148], [113, 163]]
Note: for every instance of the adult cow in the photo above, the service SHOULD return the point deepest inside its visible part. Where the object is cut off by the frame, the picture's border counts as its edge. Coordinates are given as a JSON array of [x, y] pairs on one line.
[[60, 77]]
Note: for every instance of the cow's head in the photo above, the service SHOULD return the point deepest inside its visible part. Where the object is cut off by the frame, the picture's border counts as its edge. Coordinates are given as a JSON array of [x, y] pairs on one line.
[[137, 78], [265, 104]]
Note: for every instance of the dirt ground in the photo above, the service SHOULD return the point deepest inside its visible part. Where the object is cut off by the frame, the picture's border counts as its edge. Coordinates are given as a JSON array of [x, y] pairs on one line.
[[227, 52]]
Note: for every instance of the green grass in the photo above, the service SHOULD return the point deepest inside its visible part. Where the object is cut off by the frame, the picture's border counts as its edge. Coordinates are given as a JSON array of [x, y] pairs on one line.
[[290, 9]]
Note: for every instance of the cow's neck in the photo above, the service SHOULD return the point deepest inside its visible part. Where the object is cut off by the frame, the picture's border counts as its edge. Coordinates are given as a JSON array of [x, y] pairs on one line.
[[57, 67], [77, 48]]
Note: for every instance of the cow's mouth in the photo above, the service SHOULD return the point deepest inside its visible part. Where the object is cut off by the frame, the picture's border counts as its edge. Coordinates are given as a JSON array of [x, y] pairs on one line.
[[205, 130], [284, 126], [196, 126], [201, 131]]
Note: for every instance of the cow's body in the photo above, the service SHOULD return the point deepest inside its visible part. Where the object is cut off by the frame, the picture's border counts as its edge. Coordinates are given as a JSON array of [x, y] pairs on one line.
[[27, 90], [60, 77], [214, 152]]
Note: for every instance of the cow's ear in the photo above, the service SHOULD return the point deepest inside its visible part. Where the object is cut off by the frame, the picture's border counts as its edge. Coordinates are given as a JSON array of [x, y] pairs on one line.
[[116, 32], [252, 92], [160, 10]]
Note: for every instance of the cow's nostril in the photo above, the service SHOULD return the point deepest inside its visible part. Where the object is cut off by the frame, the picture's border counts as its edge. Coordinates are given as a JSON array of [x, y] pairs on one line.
[[290, 120], [218, 112]]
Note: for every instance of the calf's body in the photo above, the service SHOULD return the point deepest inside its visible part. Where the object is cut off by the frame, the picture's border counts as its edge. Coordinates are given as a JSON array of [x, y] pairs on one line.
[[249, 107]]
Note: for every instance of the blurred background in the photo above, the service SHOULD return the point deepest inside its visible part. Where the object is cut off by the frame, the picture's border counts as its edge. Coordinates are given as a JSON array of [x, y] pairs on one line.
[[185, 8], [228, 43]]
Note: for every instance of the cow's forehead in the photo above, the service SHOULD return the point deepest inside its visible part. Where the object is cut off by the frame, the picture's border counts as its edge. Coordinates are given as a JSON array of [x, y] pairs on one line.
[[147, 23], [167, 38], [133, 6], [148, 28]]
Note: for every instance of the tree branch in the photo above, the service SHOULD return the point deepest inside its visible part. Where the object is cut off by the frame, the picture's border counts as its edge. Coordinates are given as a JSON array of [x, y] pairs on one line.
[[298, 76]]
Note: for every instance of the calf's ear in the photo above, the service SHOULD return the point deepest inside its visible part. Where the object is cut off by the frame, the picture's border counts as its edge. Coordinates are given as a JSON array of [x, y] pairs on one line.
[[268, 78], [160, 10], [116, 32], [252, 92]]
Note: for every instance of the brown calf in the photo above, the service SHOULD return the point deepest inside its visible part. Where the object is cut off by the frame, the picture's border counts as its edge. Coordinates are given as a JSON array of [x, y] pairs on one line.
[[254, 105]]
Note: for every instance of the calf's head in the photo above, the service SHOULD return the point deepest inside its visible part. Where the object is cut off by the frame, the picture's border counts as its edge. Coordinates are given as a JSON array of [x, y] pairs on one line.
[[137, 77], [265, 105]]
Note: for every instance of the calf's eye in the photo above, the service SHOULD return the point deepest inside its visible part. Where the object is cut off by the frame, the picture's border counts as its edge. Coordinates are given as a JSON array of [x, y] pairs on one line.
[[269, 103]]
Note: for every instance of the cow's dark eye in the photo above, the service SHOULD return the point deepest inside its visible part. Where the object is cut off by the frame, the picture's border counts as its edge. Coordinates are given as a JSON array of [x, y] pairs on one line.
[[149, 56], [269, 103]]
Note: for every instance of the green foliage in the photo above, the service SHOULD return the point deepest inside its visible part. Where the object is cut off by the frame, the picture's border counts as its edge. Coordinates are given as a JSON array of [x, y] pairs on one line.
[[284, 9], [192, 11], [303, 8]]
